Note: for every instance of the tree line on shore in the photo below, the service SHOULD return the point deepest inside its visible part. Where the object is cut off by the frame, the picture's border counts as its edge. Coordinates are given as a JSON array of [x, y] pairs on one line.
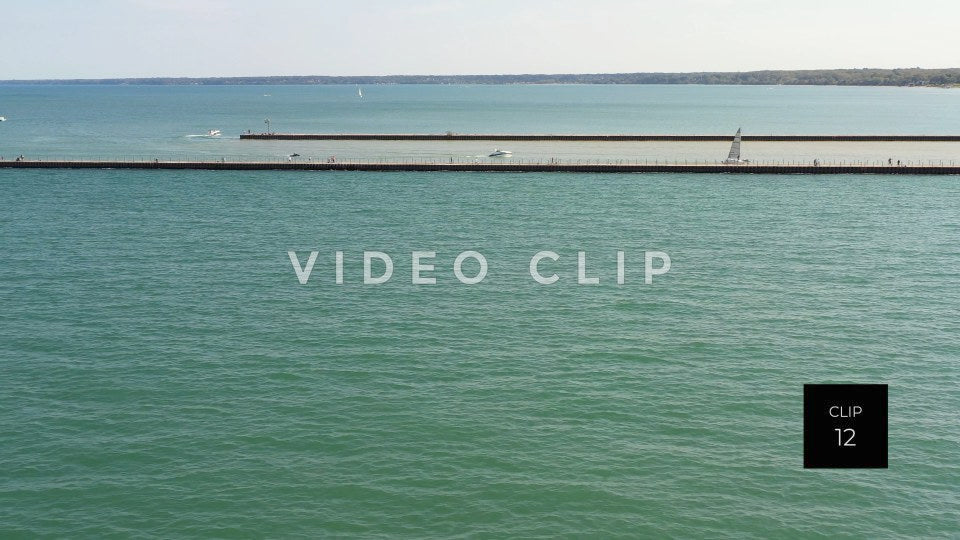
[[822, 77]]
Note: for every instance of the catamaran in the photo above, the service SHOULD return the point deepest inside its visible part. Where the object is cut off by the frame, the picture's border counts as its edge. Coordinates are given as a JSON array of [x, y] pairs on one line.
[[733, 158]]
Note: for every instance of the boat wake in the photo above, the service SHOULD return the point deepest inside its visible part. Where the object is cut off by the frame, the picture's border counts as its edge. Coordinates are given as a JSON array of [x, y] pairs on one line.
[[213, 133]]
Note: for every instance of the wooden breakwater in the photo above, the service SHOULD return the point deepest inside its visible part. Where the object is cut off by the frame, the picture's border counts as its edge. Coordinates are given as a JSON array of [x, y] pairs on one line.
[[576, 137], [485, 167]]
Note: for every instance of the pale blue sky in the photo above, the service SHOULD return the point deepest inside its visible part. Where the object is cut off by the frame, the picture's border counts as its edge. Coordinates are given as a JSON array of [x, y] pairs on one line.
[[134, 38]]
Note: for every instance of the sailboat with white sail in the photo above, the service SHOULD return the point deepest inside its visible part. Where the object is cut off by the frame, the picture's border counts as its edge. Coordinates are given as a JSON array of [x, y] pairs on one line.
[[733, 158], [360, 92]]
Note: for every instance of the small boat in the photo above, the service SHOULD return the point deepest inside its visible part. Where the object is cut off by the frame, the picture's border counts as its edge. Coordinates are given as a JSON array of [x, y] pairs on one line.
[[498, 153], [733, 158], [360, 93], [3, 118], [293, 155], [213, 133]]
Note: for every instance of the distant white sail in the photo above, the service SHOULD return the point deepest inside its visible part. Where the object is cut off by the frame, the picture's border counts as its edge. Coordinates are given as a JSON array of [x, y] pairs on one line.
[[360, 92], [735, 148]]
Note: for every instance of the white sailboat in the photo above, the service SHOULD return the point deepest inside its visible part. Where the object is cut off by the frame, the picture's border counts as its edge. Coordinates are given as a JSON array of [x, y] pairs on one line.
[[360, 92], [733, 158]]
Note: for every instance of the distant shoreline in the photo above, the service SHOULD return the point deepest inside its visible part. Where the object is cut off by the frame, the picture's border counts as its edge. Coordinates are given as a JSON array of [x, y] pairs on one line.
[[820, 77]]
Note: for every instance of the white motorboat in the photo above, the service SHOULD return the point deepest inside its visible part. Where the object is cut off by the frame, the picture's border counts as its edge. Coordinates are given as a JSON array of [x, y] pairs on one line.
[[3, 118], [733, 158], [499, 153], [213, 133]]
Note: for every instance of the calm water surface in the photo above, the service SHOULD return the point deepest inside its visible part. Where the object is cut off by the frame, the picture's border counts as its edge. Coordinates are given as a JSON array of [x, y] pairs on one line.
[[164, 374]]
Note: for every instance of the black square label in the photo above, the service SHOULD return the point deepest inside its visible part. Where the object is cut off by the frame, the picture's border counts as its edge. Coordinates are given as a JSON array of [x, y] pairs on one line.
[[844, 426]]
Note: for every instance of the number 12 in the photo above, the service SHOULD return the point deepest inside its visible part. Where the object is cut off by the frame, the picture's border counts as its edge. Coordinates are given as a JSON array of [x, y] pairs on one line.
[[840, 434]]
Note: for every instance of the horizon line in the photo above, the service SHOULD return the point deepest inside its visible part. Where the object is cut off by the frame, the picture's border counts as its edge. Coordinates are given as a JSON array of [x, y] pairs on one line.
[[470, 75]]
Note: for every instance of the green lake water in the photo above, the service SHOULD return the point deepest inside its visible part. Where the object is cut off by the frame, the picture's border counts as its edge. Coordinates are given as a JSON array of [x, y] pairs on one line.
[[164, 374]]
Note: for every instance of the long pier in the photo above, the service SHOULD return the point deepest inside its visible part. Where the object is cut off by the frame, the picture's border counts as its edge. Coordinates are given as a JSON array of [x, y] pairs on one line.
[[440, 166], [576, 137]]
